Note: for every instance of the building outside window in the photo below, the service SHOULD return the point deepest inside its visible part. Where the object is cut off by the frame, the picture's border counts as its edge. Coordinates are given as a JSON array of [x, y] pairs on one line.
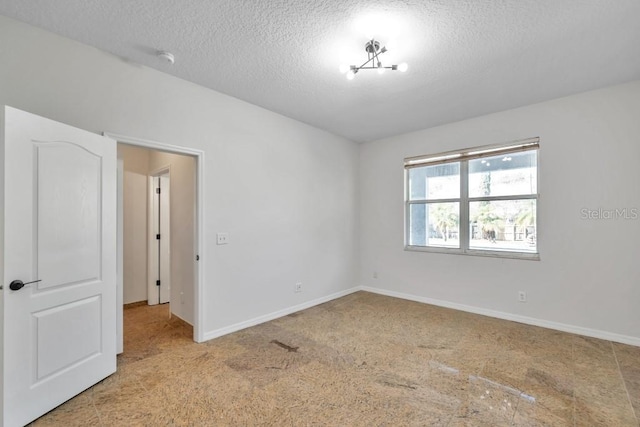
[[478, 201]]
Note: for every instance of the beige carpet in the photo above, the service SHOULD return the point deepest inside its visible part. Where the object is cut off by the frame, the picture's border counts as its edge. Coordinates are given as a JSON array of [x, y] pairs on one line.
[[362, 360]]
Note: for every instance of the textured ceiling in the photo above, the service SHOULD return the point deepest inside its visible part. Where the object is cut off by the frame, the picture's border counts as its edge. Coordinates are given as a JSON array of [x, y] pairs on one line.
[[466, 57]]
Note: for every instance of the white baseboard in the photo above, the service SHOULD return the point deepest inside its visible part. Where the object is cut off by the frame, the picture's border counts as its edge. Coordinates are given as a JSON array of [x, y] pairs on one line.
[[276, 314], [181, 318], [579, 330]]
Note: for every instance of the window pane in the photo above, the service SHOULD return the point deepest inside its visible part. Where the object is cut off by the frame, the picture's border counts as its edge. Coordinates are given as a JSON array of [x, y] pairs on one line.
[[506, 225], [435, 182], [434, 224], [505, 175]]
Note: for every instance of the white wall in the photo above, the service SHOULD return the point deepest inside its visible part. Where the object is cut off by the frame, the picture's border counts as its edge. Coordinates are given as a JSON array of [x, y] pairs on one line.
[[285, 191], [182, 207], [135, 195], [589, 272]]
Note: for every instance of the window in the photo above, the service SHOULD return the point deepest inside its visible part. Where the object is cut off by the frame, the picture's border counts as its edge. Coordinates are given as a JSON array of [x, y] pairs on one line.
[[479, 201]]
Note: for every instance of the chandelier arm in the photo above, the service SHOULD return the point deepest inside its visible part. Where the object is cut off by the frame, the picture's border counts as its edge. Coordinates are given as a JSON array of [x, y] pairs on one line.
[[365, 63], [377, 68]]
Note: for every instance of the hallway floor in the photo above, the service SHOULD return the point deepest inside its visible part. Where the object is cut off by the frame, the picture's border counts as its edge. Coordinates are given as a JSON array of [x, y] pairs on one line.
[[361, 360]]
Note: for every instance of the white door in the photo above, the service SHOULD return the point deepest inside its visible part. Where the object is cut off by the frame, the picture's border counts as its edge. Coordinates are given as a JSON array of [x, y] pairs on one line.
[[59, 224], [159, 291]]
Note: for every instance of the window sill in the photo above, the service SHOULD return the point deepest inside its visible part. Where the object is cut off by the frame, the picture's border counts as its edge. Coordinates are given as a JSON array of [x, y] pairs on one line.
[[528, 256]]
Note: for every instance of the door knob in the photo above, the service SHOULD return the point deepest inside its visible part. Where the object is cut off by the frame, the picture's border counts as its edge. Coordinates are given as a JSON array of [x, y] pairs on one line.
[[16, 285]]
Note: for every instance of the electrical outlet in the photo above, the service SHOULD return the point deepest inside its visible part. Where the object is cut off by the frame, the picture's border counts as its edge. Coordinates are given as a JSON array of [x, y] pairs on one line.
[[223, 238], [375, 274], [522, 296], [298, 287]]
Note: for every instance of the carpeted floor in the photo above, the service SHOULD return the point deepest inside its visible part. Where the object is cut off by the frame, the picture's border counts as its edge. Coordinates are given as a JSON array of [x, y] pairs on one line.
[[362, 360]]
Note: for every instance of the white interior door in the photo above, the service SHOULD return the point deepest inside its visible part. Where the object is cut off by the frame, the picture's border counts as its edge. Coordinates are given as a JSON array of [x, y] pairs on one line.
[[59, 225], [165, 239], [159, 291]]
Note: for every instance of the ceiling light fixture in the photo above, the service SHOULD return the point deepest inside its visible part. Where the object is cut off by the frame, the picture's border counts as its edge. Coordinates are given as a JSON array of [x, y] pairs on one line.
[[373, 49]]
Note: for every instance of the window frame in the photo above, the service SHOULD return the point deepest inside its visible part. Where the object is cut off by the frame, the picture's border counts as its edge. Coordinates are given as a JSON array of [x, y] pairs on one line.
[[463, 157]]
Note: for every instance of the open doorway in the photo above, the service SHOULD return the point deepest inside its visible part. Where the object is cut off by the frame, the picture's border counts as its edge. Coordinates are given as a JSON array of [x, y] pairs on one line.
[[146, 166]]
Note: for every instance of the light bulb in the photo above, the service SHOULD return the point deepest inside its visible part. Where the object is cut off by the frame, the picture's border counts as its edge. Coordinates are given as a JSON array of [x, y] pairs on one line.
[[350, 75], [344, 68], [380, 70], [403, 67]]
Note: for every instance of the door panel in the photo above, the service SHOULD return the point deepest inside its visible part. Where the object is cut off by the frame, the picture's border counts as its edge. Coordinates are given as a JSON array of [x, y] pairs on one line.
[[61, 341], [59, 227], [68, 189]]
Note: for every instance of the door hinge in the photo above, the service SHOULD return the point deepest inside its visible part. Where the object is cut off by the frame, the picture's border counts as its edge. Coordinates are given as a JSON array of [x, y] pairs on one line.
[[157, 237], [157, 282], [158, 190]]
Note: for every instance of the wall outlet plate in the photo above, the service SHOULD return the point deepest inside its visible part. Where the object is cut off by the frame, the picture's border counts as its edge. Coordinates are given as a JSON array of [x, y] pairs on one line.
[[223, 238], [298, 287], [522, 296]]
